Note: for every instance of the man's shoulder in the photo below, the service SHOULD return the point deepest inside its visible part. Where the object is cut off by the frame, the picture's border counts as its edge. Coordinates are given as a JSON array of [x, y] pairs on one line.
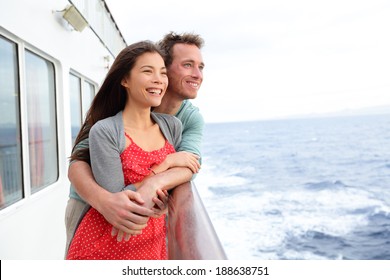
[[188, 106], [188, 110], [190, 115]]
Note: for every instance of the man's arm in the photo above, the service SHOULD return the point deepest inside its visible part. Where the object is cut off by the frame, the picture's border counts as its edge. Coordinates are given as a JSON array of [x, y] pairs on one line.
[[193, 125], [119, 209], [166, 180]]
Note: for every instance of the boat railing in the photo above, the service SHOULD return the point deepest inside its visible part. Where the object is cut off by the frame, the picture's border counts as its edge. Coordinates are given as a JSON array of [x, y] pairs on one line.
[[191, 235]]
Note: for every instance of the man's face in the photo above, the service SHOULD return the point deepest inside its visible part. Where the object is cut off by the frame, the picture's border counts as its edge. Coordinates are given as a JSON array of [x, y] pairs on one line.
[[186, 71]]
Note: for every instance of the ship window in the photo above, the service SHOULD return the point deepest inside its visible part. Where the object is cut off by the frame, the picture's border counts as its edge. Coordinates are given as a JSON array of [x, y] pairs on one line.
[[10, 141], [87, 96], [41, 114], [75, 105], [82, 93]]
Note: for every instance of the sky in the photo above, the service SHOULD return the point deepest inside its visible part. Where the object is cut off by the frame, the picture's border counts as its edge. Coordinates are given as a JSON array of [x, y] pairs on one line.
[[279, 58]]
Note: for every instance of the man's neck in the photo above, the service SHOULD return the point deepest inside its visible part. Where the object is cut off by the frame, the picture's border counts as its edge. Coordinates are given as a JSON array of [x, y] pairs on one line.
[[169, 105]]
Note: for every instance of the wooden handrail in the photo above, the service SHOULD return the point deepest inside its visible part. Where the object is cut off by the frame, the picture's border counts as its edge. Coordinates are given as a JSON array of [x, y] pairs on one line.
[[191, 235]]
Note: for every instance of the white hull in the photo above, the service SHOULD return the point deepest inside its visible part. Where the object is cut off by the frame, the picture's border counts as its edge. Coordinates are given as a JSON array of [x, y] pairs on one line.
[[33, 227]]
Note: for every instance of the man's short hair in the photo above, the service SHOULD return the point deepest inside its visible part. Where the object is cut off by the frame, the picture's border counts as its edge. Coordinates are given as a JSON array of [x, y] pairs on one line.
[[172, 38]]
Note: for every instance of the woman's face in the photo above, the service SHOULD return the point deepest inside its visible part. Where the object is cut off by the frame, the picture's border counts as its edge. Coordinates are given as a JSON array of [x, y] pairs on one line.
[[147, 81]]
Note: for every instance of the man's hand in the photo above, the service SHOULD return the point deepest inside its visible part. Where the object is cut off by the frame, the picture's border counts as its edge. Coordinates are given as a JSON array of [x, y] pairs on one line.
[[126, 212], [160, 208]]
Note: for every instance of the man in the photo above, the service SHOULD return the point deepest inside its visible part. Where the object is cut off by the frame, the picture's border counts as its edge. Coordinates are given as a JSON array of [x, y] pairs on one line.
[[123, 210]]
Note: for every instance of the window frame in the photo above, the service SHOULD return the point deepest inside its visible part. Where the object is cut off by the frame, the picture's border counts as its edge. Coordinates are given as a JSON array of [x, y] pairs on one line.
[[18, 121], [82, 80], [26, 187], [55, 118]]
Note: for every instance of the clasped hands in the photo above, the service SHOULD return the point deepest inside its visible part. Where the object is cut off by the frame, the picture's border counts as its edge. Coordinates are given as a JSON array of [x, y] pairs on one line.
[[129, 211]]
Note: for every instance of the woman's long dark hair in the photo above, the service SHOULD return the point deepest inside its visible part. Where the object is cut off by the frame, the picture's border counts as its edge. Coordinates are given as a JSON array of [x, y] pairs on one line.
[[112, 96]]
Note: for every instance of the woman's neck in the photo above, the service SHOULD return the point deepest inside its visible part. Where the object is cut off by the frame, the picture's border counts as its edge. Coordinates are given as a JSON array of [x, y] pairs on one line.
[[137, 118]]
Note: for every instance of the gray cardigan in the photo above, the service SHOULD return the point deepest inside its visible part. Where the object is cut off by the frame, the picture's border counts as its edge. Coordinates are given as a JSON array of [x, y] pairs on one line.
[[107, 142]]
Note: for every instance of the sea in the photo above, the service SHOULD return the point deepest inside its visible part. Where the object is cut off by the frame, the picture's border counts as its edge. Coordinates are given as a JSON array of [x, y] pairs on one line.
[[299, 189]]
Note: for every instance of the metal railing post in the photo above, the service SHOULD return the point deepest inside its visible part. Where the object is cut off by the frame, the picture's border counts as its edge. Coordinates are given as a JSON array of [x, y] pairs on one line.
[[191, 235]]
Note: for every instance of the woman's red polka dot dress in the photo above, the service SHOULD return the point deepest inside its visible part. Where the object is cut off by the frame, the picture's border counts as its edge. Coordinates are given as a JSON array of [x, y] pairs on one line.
[[93, 238]]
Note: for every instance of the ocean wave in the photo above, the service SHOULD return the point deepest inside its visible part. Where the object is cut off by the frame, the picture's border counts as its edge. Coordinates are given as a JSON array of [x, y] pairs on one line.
[[235, 190], [325, 185], [312, 189], [278, 219], [320, 244]]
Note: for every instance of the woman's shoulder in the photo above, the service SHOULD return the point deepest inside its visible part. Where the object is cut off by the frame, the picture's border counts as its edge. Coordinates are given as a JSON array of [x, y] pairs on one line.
[[166, 118], [110, 125], [109, 130], [170, 126], [110, 121]]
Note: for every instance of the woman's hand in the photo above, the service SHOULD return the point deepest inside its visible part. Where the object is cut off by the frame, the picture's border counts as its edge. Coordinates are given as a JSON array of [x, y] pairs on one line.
[[161, 203], [183, 159]]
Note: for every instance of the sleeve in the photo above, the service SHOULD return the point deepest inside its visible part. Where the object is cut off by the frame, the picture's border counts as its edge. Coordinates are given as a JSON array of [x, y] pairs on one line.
[[176, 133], [105, 158], [83, 144], [192, 134], [171, 127]]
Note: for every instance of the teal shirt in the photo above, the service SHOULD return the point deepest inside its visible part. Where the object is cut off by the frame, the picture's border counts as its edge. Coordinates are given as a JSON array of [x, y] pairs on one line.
[[192, 123]]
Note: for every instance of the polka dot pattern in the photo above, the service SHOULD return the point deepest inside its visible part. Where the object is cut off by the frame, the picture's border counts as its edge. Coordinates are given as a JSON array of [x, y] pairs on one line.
[[93, 240]]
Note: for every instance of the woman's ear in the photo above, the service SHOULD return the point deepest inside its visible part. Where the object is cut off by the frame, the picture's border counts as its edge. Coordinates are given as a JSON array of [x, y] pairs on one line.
[[124, 82]]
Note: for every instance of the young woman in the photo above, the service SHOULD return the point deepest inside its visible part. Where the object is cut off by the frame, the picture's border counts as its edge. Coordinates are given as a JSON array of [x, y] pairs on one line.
[[128, 142]]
